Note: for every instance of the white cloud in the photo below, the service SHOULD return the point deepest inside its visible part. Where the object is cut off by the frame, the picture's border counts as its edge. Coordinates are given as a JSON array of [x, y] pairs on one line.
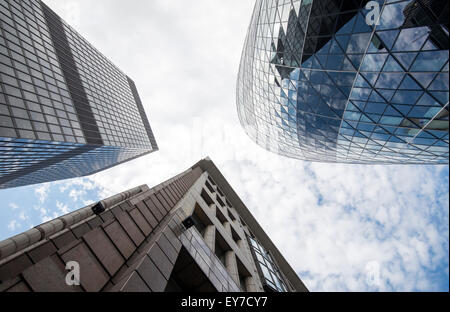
[[23, 216], [13, 206], [42, 192], [43, 214], [64, 188], [46, 219], [82, 183], [62, 208], [87, 202], [76, 194], [13, 225]]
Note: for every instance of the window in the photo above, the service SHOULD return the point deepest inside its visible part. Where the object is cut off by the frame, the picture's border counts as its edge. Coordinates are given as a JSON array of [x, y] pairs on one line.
[[220, 251], [230, 214], [220, 216], [220, 192], [201, 219], [208, 185], [243, 275], [270, 274], [220, 201], [212, 181], [206, 198], [235, 235]]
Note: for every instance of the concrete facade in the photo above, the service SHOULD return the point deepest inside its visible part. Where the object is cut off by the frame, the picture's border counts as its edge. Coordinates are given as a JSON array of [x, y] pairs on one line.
[[139, 244]]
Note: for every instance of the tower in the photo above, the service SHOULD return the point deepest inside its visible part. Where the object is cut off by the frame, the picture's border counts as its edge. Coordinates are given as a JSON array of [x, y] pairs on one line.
[[65, 110]]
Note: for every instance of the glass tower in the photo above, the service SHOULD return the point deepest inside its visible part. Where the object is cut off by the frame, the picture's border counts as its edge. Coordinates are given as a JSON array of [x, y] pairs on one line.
[[348, 81], [65, 110]]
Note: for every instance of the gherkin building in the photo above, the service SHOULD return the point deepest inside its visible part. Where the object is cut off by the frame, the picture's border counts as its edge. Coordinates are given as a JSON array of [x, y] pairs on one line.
[[347, 81]]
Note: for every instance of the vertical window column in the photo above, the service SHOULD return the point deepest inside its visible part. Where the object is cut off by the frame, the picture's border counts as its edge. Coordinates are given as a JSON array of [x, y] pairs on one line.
[[227, 227], [242, 246], [254, 284], [208, 200], [250, 285], [210, 237], [231, 265]]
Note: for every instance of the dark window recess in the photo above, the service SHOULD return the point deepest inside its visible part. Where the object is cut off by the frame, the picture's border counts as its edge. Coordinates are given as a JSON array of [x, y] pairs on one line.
[[210, 188], [206, 198], [231, 215], [242, 283], [187, 276], [243, 275], [228, 203], [199, 225], [220, 216], [220, 253], [201, 220], [220, 201], [235, 235], [220, 192], [212, 181], [221, 248]]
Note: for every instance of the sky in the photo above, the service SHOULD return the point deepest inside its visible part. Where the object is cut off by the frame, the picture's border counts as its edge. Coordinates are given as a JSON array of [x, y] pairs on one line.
[[341, 227]]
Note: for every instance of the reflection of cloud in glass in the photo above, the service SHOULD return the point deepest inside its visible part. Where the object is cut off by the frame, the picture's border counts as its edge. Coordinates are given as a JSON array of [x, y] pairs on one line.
[[392, 16], [411, 39], [346, 85], [358, 43]]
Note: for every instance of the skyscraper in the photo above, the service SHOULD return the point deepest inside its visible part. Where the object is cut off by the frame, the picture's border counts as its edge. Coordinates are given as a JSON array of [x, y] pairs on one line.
[[190, 233], [65, 110], [325, 80]]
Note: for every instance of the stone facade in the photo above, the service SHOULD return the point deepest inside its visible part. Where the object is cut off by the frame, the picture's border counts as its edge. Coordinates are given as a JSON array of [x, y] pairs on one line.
[[139, 244]]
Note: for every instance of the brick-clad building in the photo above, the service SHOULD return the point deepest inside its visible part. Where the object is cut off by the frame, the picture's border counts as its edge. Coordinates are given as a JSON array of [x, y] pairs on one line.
[[190, 233]]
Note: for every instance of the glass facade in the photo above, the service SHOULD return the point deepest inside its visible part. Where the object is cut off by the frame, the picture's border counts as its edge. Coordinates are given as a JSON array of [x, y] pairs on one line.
[[325, 80], [65, 110], [270, 274]]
